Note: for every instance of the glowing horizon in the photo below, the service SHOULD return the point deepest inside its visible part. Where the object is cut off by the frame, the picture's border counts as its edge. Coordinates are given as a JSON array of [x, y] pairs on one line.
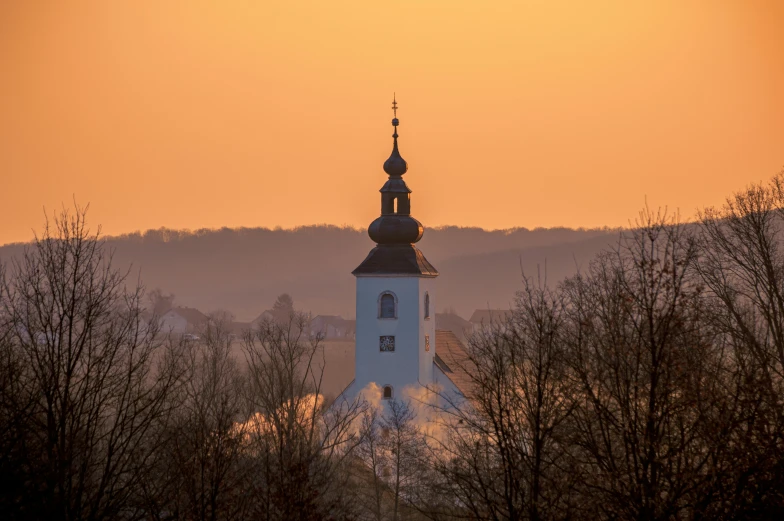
[[513, 114]]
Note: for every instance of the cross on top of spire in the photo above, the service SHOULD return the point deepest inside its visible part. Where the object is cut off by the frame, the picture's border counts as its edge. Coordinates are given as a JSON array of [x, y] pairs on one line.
[[395, 165], [395, 122]]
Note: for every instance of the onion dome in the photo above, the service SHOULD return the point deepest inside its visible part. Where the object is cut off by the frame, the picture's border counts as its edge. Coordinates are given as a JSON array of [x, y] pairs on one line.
[[395, 231]]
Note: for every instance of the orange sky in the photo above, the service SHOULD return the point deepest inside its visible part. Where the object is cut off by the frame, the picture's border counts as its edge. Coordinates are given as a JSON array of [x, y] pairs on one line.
[[262, 113]]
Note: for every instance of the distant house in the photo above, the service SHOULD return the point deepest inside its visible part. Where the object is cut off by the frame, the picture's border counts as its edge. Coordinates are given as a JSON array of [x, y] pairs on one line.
[[488, 318], [183, 320], [332, 327], [265, 316]]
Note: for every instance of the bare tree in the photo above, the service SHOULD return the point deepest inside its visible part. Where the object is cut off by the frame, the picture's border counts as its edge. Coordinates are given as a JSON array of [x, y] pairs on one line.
[[201, 472], [160, 302], [88, 386], [15, 406], [404, 444], [222, 319], [646, 369], [283, 310], [299, 442], [371, 487], [742, 266], [504, 454], [394, 453]]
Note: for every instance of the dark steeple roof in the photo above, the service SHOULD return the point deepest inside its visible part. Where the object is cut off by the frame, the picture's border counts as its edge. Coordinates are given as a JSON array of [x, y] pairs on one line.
[[397, 259], [395, 231]]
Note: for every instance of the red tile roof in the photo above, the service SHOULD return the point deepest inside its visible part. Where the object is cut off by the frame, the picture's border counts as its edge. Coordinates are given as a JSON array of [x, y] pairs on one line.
[[452, 358], [454, 323]]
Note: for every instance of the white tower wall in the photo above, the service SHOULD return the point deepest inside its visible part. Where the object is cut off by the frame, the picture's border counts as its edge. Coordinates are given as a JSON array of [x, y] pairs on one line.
[[411, 363], [396, 266]]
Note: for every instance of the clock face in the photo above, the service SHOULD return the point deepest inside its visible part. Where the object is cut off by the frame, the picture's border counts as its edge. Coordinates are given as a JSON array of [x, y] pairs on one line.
[[427, 342], [386, 343]]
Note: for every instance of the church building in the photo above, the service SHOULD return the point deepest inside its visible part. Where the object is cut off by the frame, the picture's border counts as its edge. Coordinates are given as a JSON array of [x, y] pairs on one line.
[[397, 344]]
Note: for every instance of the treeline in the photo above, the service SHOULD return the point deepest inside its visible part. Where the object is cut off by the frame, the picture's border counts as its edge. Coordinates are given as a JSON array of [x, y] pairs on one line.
[[649, 386], [242, 270], [103, 417]]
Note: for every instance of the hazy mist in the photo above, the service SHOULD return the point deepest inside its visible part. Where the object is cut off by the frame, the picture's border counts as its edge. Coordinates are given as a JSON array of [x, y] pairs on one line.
[[243, 270]]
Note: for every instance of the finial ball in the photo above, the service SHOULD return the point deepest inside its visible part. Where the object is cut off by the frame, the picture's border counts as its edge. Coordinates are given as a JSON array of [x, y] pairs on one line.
[[395, 122]]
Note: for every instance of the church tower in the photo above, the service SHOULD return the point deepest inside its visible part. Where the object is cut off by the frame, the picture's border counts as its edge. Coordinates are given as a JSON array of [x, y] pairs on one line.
[[395, 335]]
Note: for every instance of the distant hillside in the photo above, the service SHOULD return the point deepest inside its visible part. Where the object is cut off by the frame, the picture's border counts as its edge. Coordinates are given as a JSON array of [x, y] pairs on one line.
[[243, 270]]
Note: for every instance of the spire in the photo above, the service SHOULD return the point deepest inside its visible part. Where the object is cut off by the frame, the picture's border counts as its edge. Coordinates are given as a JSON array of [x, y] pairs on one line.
[[395, 166], [395, 231]]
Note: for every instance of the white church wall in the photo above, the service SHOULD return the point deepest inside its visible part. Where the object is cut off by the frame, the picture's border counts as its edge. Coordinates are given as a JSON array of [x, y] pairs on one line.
[[409, 363]]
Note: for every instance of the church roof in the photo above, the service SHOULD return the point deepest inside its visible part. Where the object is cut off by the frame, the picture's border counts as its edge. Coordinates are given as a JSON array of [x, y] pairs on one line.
[[396, 259], [452, 358]]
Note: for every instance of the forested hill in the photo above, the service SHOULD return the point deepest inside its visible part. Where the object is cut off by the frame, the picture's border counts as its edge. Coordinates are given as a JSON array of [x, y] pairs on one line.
[[243, 270]]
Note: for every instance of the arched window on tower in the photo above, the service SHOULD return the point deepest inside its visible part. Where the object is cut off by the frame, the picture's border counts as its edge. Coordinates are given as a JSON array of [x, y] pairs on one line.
[[427, 304], [387, 392], [387, 305]]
